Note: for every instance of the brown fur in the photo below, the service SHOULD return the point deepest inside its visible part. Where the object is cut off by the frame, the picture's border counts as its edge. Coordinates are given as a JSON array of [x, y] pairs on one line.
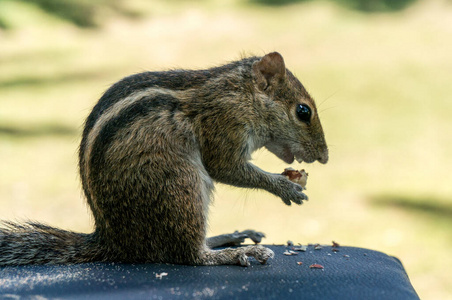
[[151, 150]]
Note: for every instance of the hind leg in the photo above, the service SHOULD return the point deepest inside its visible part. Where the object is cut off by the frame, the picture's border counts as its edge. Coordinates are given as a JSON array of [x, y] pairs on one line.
[[235, 256]]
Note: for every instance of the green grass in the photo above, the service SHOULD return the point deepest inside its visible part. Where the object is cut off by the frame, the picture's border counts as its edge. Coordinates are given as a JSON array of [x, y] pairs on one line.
[[382, 83]]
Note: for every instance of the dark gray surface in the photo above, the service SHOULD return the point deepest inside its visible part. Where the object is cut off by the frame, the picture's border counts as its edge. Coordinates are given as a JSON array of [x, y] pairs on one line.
[[364, 274]]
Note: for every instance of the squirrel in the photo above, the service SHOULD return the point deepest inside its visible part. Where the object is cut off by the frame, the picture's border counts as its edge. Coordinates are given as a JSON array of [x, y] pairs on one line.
[[151, 150]]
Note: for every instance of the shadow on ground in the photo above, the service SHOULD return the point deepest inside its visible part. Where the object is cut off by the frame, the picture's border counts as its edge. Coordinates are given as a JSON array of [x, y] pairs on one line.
[[39, 80], [37, 130], [360, 5], [84, 13], [427, 206]]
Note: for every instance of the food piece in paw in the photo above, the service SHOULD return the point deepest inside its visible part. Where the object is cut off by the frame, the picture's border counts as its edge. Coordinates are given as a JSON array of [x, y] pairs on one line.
[[296, 176]]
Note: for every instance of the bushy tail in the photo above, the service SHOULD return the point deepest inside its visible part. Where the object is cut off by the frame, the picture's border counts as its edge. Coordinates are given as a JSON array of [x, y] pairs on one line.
[[35, 243]]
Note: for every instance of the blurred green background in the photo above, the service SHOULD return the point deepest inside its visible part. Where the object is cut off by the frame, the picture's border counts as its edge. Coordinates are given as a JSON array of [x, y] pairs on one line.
[[380, 71]]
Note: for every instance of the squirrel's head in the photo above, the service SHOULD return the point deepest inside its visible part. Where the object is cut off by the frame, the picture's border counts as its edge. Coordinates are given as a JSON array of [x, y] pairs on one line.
[[294, 128]]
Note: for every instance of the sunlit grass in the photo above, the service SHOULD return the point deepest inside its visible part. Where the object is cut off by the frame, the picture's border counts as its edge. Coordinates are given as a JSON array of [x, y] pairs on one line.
[[382, 83]]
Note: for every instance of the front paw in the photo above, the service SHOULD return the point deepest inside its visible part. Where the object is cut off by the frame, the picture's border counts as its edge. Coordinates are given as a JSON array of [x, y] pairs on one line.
[[237, 238], [255, 236], [291, 192]]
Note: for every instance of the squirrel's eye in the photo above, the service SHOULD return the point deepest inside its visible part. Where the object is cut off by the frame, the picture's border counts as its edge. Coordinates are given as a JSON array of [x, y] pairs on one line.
[[304, 113]]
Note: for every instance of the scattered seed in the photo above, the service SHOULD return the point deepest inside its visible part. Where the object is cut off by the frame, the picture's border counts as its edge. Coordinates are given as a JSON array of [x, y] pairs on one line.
[[317, 247], [301, 248], [299, 263], [290, 252], [161, 275], [336, 245], [316, 266]]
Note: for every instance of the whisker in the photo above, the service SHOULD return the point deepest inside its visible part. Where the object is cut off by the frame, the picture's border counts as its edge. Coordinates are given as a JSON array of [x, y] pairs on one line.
[[329, 97], [325, 109]]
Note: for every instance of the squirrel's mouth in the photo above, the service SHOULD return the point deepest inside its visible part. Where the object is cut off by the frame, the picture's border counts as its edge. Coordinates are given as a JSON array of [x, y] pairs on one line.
[[304, 156], [288, 156], [284, 153]]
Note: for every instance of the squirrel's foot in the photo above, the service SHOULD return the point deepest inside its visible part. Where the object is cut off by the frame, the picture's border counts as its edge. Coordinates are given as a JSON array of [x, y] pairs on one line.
[[260, 253], [236, 256]]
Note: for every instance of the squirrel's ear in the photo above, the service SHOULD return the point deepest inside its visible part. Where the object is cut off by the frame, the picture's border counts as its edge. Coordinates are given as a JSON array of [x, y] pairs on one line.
[[269, 70]]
